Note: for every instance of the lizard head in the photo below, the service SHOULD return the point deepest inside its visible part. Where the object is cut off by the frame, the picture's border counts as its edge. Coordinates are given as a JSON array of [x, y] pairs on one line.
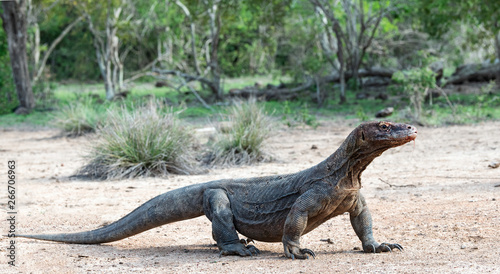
[[376, 135]]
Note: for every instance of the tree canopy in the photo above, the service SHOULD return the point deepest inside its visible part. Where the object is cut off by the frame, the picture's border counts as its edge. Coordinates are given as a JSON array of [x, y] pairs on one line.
[[208, 40]]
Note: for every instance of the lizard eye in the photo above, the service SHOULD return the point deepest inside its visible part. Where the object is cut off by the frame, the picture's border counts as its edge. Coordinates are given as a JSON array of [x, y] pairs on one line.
[[384, 126]]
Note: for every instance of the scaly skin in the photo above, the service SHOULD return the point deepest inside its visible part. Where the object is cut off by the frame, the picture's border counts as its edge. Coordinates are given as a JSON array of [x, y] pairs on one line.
[[271, 209]]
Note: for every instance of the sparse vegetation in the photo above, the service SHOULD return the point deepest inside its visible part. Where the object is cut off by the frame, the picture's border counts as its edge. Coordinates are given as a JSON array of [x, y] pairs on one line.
[[415, 84], [144, 142], [242, 141], [298, 117], [79, 117]]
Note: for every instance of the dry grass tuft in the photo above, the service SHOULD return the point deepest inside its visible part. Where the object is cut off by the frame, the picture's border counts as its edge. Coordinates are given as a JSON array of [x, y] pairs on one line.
[[79, 118], [142, 142], [241, 142]]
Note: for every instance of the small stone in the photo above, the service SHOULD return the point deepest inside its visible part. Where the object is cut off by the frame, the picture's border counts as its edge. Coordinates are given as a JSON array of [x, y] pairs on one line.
[[463, 246], [314, 147], [494, 164], [384, 112]]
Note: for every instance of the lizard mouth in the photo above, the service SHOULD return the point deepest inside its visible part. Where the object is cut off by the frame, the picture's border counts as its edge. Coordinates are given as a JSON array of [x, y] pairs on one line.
[[412, 136]]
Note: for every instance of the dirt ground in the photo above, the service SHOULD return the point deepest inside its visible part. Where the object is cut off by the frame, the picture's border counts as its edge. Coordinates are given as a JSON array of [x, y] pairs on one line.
[[436, 197]]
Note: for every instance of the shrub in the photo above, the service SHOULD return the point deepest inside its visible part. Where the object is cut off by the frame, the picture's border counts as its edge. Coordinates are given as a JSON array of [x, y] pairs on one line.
[[141, 142], [242, 142], [415, 84]]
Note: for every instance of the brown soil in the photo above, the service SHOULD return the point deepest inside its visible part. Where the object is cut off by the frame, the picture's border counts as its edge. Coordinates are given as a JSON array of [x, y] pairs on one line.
[[436, 197]]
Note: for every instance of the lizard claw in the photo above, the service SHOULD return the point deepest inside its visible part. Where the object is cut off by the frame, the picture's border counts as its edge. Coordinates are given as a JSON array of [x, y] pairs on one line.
[[308, 251], [392, 246], [253, 249], [374, 249], [383, 247]]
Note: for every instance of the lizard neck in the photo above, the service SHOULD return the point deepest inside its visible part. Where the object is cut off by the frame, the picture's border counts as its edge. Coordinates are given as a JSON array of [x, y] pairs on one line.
[[349, 161]]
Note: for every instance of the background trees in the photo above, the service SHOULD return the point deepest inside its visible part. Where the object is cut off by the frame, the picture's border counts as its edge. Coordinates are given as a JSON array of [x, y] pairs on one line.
[[14, 21], [327, 47]]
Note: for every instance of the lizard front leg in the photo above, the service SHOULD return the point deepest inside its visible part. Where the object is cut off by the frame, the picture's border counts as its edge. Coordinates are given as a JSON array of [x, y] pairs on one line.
[[217, 208], [361, 221], [306, 206]]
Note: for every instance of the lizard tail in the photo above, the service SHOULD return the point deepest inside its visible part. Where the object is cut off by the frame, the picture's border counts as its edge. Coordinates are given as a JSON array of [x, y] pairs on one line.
[[177, 205]]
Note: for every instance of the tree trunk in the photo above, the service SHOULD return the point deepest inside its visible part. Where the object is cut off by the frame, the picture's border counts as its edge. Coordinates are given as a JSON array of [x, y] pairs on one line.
[[497, 48], [36, 46], [14, 24], [340, 56], [214, 15]]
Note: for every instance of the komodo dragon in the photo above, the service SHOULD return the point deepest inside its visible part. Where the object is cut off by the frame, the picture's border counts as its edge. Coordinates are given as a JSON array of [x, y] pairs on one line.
[[270, 209]]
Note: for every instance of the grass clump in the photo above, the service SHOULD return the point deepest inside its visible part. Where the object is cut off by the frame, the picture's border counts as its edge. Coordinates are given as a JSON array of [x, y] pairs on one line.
[[80, 117], [141, 142], [242, 141]]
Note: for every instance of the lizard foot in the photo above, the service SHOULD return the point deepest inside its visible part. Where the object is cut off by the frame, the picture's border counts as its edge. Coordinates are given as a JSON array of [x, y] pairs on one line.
[[383, 247], [240, 249], [293, 251]]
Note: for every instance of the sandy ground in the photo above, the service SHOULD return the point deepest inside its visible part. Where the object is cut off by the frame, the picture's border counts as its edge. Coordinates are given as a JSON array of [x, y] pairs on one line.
[[436, 197]]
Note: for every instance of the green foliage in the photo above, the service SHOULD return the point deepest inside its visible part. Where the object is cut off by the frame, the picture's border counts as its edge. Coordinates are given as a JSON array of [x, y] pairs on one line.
[[297, 117], [484, 98], [468, 108], [147, 141], [74, 57], [414, 84], [249, 37], [362, 116], [242, 142], [298, 51], [437, 16], [8, 95], [461, 27]]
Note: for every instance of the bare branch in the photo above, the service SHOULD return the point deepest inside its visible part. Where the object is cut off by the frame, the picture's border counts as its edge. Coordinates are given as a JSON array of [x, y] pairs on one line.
[[59, 38], [193, 35]]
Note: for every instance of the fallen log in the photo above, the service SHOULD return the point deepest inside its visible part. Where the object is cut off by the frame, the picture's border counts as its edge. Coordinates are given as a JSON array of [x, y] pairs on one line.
[[371, 72], [473, 73], [271, 92], [282, 92]]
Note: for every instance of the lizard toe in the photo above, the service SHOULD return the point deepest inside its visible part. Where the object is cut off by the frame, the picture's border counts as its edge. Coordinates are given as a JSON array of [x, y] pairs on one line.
[[379, 248], [239, 249], [389, 247], [253, 249]]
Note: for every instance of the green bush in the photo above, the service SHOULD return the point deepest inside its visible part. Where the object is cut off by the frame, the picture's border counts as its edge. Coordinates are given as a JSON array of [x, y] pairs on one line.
[[141, 142], [242, 142], [414, 84]]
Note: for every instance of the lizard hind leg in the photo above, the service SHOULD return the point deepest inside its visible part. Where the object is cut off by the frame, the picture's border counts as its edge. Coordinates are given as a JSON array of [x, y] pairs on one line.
[[217, 208]]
